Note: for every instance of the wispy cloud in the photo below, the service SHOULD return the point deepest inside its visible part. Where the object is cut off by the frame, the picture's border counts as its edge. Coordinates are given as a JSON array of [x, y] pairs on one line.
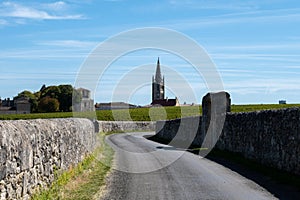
[[270, 85], [213, 5], [59, 5], [257, 17], [16, 10], [42, 54], [69, 43], [257, 47], [253, 56], [293, 67]]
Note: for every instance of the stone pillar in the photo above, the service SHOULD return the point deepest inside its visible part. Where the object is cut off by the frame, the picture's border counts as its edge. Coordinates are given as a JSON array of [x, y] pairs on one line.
[[214, 108]]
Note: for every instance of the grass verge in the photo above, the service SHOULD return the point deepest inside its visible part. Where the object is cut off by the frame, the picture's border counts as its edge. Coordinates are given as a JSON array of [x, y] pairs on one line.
[[84, 180]]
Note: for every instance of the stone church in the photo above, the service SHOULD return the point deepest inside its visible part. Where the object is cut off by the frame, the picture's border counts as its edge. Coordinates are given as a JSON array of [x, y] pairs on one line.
[[158, 90]]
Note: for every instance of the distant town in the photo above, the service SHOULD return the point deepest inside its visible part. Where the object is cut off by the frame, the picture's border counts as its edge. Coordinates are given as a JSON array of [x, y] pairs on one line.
[[66, 98]]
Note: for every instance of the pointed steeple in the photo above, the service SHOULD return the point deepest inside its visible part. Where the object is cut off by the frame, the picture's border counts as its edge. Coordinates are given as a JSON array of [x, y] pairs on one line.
[[158, 84], [158, 77]]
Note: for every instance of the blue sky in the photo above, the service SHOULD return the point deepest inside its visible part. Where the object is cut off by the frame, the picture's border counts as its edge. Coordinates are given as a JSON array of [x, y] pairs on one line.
[[255, 45]]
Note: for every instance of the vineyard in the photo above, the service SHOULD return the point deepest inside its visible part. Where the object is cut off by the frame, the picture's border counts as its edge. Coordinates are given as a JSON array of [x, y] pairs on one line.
[[144, 114]]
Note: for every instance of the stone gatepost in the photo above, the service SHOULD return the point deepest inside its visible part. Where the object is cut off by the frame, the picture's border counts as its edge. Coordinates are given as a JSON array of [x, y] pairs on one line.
[[214, 108]]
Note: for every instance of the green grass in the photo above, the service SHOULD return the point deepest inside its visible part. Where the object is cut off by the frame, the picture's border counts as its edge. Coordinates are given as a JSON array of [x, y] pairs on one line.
[[35, 116], [258, 107], [84, 181], [145, 114], [46, 115], [148, 114]]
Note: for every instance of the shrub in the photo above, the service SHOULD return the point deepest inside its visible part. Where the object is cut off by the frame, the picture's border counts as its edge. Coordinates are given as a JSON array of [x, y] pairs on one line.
[[48, 104]]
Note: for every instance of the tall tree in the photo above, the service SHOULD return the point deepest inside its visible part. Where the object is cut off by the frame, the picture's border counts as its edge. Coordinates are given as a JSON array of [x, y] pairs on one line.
[[48, 104], [51, 91], [65, 97]]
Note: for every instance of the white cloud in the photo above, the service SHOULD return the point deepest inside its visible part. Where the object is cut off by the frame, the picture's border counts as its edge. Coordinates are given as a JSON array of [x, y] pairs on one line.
[[261, 86], [253, 56], [69, 43], [257, 47], [59, 5], [213, 5], [42, 54], [14, 10], [257, 17]]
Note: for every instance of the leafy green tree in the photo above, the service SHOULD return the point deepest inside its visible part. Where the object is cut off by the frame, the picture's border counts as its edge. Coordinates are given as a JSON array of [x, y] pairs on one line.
[[42, 88], [51, 91], [37, 95], [48, 104], [65, 97]]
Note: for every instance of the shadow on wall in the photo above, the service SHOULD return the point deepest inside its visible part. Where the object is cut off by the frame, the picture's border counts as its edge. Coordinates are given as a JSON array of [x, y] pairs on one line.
[[269, 137]]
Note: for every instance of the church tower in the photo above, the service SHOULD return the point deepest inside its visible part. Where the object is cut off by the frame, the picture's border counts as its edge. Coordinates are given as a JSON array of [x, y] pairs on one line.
[[158, 84]]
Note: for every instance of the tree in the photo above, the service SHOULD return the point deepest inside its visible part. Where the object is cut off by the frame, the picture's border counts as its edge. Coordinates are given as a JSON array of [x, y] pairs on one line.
[[42, 88], [48, 104], [51, 91], [65, 97]]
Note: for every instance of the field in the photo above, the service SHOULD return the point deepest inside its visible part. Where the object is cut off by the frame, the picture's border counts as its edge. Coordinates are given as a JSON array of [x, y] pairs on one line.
[[258, 107], [145, 114]]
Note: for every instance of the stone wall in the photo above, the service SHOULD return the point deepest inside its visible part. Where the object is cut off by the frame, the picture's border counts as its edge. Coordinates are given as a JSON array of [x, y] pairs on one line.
[[180, 132], [32, 149], [270, 137], [115, 126]]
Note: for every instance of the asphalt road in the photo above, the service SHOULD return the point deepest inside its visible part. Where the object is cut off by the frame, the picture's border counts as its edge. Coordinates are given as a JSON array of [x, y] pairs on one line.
[[145, 169]]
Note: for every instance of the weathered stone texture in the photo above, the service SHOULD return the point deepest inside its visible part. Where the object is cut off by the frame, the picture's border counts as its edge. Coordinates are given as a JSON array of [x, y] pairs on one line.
[[31, 149], [270, 137], [180, 132], [109, 126]]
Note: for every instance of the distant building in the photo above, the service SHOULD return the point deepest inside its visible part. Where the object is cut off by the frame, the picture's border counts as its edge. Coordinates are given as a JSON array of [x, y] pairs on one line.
[[114, 106], [282, 101], [189, 104], [7, 110], [18, 106], [166, 102], [7, 103], [23, 105], [158, 90], [86, 103]]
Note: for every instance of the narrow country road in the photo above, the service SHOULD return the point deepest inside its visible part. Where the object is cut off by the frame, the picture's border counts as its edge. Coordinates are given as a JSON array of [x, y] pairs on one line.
[[145, 169]]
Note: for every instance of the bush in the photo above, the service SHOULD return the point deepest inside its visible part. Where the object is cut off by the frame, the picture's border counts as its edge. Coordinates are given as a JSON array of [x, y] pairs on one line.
[[48, 104]]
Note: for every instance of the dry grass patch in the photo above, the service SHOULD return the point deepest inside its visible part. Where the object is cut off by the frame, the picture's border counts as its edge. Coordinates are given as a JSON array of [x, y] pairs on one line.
[[84, 181]]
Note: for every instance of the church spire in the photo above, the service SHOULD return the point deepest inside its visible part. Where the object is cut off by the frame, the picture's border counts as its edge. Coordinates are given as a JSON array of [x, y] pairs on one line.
[[158, 84], [158, 77]]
